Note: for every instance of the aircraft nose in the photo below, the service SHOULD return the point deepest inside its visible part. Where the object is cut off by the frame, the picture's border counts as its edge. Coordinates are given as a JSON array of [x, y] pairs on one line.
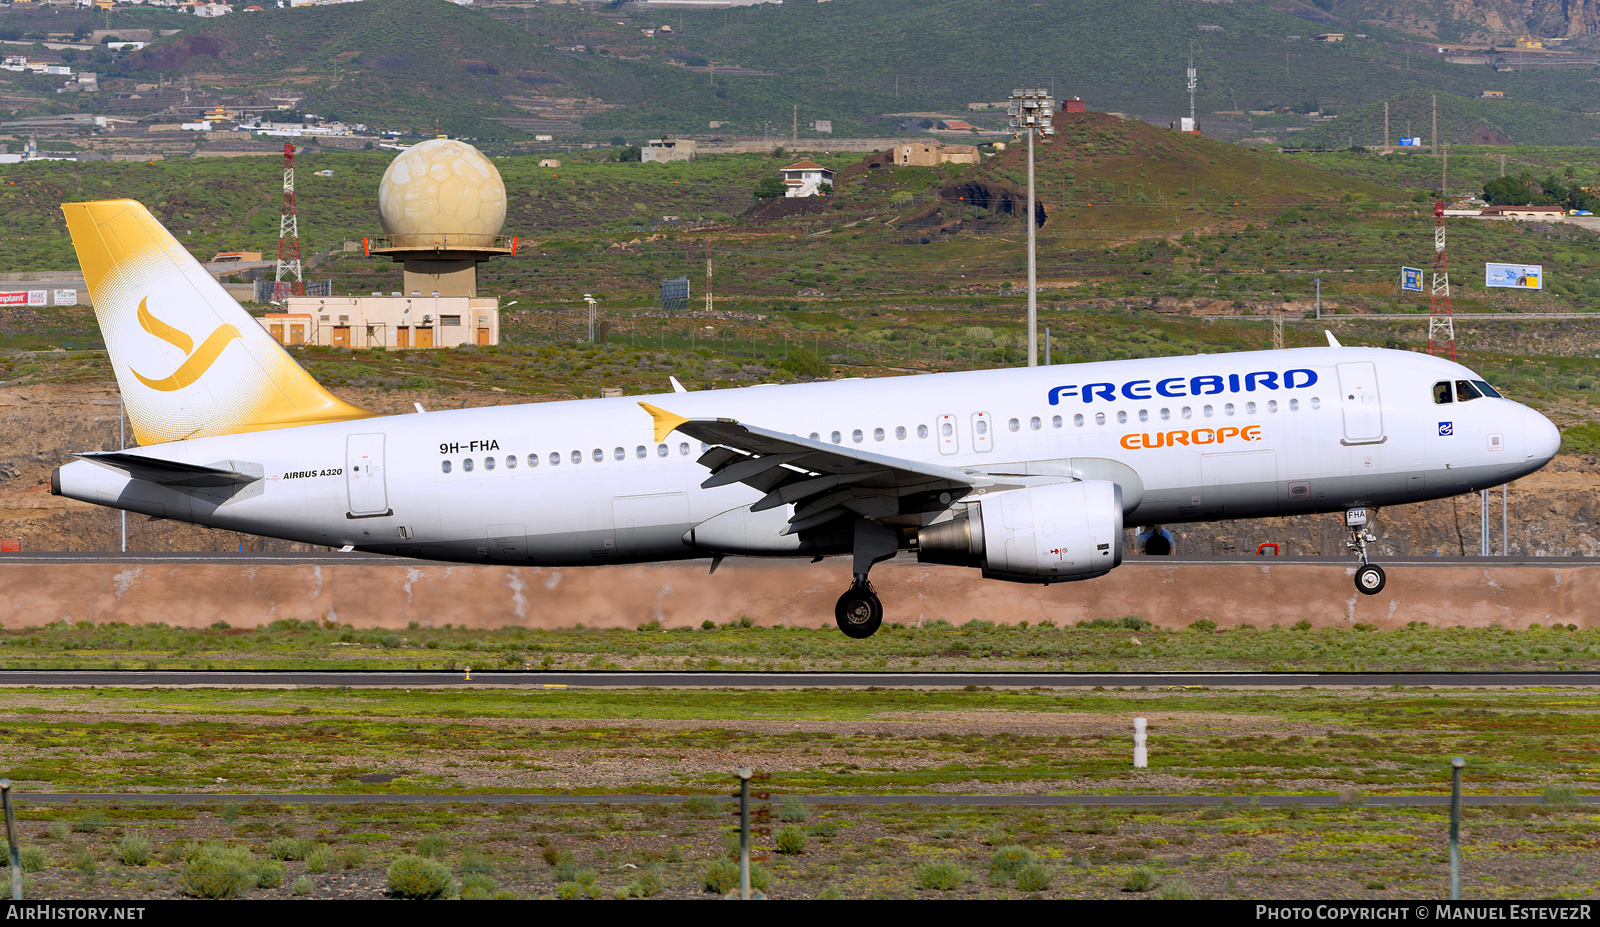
[[1540, 437]]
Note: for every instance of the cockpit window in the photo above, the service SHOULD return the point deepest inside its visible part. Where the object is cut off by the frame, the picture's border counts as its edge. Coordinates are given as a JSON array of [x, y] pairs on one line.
[[1487, 390], [1441, 392], [1465, 391]]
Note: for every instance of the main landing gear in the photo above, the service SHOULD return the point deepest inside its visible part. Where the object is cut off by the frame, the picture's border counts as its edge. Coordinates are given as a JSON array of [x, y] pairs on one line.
[[1369, 578], [859, 612]]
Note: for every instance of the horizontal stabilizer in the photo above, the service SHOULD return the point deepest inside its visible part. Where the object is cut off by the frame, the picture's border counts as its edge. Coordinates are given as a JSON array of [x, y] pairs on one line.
[[174, 473]]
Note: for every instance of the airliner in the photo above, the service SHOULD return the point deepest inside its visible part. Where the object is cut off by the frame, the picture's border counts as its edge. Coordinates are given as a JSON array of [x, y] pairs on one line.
[[1028, 475]]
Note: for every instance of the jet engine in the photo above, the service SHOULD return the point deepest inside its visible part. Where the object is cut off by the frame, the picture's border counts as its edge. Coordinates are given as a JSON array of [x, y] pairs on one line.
[[1044, 534]]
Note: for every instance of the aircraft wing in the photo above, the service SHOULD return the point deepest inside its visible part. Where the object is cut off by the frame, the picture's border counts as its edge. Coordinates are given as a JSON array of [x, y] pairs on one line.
[[825, 481], [172, 472]]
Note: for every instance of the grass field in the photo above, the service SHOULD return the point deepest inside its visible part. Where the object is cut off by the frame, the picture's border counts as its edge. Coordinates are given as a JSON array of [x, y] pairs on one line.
[[1132, 645]]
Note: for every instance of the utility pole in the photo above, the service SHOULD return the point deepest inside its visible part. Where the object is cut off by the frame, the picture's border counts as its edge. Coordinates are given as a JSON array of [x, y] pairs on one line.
[[1444, 172], [708, 278], [1433, 143], [794, 131], [1385, 125]]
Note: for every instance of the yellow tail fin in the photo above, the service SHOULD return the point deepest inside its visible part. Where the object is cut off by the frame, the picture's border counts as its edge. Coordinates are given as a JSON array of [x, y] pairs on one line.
[[155, 304]]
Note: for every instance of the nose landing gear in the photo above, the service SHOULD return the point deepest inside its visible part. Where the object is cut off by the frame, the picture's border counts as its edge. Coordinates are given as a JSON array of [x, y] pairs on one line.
[[1369, 578]]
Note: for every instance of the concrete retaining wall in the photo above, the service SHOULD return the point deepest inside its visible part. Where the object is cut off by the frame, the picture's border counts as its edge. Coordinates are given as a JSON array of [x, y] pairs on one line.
[[366, 595]]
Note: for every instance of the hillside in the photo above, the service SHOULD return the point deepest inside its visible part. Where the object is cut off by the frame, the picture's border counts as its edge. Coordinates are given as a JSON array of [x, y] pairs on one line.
[[1462, 121], [1473, 21]]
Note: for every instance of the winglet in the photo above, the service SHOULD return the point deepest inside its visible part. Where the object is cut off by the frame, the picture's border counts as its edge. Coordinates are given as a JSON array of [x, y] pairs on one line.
[[676, 386], [1332, 341], [665, 421]]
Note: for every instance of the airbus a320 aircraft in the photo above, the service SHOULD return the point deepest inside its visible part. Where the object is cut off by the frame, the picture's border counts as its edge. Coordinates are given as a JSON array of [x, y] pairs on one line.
[[1026, 474]]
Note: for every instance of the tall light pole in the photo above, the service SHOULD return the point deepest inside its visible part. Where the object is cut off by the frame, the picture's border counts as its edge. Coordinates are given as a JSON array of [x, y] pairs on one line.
[[591, 301], [1031, 110]]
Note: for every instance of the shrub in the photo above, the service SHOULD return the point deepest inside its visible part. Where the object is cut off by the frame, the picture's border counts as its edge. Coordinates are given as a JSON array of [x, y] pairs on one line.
[[33, 859], [557, 856], [216, 871], [59, 830], [831, 893], [418, 383], [477, 886], [569, 891], [474, 860], [1301, 625], [289, 848], [1175, 890], [1141, 879], [791, 841], [648, 883], [1204, 624], [413, 876], [91, 822], [269, 873], [1034, 877], [433, 847], [793, 810], [1007, 861], [303, 886], [319, 858], [721, 877], [134, 851], [941, 875], [1134, 623], [1559, 795], [350, 858]]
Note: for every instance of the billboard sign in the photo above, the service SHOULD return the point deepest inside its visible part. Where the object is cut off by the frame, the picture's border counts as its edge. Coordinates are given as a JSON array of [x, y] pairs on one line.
[[1411, 142], [13, 299], [1411, 279], [1514, 276], [66, 297], [38, 297]]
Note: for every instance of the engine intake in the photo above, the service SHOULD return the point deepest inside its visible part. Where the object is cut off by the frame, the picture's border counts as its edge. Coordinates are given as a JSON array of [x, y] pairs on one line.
[[1055, 533]]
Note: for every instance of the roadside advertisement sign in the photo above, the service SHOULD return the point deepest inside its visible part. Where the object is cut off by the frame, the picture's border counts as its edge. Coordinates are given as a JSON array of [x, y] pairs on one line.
[[1514, 276], [38, 297], [1411, 279], [13, 299], [1411, 142], [66, 297]]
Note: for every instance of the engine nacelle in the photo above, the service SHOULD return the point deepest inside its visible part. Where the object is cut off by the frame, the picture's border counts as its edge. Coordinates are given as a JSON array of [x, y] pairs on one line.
[[1047, 534]]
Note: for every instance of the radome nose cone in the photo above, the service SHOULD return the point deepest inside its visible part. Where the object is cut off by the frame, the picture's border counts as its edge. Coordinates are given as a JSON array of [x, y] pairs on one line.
[[1542, 437]]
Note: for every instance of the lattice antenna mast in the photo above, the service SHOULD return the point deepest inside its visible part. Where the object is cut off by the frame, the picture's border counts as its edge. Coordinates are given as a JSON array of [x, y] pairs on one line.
[[1441, 321], [1193, 83], [288, 280]]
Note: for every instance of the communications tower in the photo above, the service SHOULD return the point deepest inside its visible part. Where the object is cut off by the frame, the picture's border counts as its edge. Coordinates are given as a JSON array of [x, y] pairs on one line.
[[288, 237], [1441, 322]]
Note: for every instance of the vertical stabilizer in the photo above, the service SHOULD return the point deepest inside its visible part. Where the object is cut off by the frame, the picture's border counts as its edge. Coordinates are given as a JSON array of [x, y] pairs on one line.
[[189, 360]]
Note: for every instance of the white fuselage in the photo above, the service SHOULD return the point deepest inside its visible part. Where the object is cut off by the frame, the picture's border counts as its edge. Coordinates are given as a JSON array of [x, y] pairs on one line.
[[1189, 439]]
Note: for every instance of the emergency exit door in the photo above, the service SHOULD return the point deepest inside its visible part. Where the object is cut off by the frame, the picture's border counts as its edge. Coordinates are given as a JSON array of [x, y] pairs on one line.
[[1358, 396], [364, 478]]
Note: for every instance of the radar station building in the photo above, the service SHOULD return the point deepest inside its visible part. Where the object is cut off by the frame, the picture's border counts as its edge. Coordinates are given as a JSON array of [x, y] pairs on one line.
[[443, 205]]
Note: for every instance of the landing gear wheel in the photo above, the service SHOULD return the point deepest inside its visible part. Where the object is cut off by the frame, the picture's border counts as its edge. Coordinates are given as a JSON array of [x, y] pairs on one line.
[[1370, 579], [858, 612]]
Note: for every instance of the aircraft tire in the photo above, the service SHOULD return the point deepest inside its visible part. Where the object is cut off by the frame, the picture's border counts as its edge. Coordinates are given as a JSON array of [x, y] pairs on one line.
[[858, 612], [1370, 579]]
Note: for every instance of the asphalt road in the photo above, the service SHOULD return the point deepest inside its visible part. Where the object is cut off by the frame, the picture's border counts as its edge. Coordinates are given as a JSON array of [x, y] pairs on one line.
[[13, 678], [1316, 801], [355, 557]]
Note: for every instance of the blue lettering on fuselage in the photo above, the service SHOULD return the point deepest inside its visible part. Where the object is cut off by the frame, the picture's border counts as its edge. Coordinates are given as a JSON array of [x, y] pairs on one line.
[[1178, 387]]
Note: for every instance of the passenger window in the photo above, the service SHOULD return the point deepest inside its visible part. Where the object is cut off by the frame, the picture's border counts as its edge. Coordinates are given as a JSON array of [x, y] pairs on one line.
[[1078, 420], [488, 463], [922, 431], [683, 449], [466, 464], [640, 452], [1166, 414], [1014, 425], [1316, 403], [856, 436], [1055, 421], [1272, 405], [1144, 415], [877, 434], [1294, 405], [1208, 410], [947, 429], [1099, 418], [511, 462], [837, 438], [899, 432], [1465, 392], [533, 461], [598, 455], [555, 458], [661, 450], [1122, 418], [1188, 412], [1441, 393], [982, 426], [1250, 408], [1035, 423], [444, 465], [577, 457], [1227, 409], [619, 454], [815, 437]]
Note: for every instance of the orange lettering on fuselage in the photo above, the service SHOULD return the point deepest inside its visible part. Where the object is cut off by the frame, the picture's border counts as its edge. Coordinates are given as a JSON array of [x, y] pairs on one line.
[[1199, 436]]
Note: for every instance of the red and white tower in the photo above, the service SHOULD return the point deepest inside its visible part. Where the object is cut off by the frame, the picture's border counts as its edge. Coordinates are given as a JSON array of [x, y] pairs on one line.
[[288, 281], [1441, 322]]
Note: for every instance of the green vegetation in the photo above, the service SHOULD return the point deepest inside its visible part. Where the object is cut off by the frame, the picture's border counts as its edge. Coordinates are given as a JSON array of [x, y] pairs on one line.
[[1462, 121], [420, 877], [941, 875], [214, 870]]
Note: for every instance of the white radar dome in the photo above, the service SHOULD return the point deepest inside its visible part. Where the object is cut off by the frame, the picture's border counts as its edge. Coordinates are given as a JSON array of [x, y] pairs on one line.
[[442, 194]]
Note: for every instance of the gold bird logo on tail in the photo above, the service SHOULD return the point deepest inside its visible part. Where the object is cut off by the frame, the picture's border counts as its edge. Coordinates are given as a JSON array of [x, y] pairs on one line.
[[196, 362]]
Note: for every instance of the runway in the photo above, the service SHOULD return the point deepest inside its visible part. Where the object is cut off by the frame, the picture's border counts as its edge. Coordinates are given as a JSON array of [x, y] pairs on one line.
[[997, 801], [296, 679]]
